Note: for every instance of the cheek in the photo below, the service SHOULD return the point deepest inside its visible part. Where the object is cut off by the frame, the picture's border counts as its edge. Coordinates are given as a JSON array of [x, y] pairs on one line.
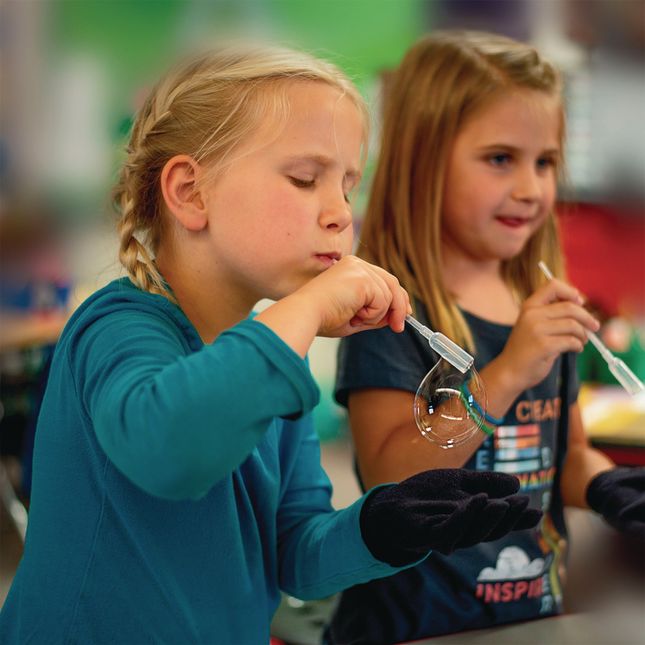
[[551, 192], [347, 240]]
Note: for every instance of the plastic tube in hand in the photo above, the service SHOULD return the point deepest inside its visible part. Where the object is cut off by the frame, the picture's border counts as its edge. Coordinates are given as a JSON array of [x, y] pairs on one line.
[[617, 366], [446, 348]]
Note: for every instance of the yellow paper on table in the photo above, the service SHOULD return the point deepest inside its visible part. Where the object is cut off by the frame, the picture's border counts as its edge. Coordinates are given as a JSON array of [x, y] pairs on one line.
[[612, 415]]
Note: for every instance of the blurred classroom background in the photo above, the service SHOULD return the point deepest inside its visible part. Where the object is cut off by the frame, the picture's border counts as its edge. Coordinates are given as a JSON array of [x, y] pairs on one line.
[[74, 71]]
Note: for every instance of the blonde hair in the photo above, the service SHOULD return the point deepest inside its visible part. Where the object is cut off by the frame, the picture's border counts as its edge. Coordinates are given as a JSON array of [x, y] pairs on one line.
[[205, 107], [443, 79]]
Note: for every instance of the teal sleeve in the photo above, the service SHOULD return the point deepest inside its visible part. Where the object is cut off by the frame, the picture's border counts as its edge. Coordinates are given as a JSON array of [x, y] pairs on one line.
[[176, 421], [320, 550]]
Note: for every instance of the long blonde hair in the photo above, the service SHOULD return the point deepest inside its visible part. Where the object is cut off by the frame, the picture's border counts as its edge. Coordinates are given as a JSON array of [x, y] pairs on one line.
[[204, 107], [443, 79]]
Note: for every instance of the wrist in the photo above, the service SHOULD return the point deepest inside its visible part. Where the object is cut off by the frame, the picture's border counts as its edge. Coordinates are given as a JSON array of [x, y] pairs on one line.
[[501, 387], [482, 418], [294, 321]]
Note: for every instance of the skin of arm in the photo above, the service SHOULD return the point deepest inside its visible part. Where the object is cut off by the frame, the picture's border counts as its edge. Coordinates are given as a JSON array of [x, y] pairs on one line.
[[349, 297], [581, 464], [388, 444]]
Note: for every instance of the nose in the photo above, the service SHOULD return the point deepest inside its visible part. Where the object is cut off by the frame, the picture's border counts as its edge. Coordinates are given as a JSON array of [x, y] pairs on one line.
[[335, 212], [528, 186]]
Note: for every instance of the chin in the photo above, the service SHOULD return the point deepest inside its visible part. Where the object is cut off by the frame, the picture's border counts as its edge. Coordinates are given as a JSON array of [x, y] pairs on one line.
[[510, 251]]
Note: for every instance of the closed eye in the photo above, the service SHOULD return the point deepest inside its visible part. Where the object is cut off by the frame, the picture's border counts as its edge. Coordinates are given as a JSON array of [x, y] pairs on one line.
[[302, 183]]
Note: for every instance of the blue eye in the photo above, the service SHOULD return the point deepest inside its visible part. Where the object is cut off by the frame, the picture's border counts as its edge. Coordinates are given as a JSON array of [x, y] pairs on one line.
[[546, 162], [500, 159]]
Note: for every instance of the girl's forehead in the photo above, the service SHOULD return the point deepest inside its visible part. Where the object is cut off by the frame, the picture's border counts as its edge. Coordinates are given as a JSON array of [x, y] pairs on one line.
[[527, 109], [312, 112], [316, 101]]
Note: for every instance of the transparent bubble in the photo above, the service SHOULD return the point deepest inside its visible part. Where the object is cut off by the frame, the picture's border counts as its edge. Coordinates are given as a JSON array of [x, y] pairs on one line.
[[446, 405]]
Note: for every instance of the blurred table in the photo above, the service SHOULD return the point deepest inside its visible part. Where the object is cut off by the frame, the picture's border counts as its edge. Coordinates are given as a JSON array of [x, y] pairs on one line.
[[20, 334], [22, 331], [604, 595], [615, 422]]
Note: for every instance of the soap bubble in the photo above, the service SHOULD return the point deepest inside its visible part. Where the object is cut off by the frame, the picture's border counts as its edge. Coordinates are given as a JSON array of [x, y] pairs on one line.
[[449, 405]]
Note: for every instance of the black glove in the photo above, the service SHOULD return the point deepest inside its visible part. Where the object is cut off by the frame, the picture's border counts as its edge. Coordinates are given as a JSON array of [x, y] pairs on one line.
[[619, 496], [442, 510]]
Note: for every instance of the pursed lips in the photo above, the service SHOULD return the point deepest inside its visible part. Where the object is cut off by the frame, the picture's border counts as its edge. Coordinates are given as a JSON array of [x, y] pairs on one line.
[[328, 258]]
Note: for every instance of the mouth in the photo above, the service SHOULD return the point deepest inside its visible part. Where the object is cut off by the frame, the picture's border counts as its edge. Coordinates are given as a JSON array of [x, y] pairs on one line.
[[328, 258], [511, 221]]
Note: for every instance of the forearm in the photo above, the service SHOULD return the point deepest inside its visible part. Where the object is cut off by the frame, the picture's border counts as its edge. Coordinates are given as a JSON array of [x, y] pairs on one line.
[[502, 387], [175, 429], [295, 323], [581, 465], [326, 554], [406, 452]]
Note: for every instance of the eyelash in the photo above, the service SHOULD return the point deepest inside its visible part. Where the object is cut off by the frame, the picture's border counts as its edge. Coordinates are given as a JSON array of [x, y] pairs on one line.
[[547, 162], [504, 158], [310, 183], [302, 183], [499, 158]]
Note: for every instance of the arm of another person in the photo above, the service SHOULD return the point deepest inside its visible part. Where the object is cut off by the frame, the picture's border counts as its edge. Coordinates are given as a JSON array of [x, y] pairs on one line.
[[388, 444], [581, 464]]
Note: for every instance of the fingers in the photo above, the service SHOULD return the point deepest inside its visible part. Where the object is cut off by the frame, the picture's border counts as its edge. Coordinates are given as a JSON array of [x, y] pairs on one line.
[[499, 518], [553, 321], [518, 517], [400, 301], [483, 521], [458, 483], [456, 528], [387, 303], [554, 291], [575, 315], [492, 483], [528, 519]]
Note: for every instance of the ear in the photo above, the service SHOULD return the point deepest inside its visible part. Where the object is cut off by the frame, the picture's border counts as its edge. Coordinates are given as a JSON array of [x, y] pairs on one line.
[[179, 187]]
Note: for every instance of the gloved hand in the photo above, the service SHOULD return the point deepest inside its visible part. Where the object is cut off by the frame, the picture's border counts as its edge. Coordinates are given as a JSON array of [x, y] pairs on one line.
[[619, 496], [442, 510]]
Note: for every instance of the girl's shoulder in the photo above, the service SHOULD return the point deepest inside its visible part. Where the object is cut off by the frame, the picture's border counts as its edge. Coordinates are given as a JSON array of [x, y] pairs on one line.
[[122, 303]]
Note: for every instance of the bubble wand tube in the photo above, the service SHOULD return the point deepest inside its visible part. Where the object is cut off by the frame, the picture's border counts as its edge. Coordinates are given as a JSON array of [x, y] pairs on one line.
[[632, 384]]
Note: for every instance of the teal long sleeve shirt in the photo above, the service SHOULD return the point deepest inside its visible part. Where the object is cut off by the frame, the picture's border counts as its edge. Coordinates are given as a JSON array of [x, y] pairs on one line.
[[177, 486]]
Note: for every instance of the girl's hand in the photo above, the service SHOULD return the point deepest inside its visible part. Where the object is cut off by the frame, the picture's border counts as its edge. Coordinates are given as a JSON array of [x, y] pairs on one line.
[[551, 321], [350, 296], [353, 296]]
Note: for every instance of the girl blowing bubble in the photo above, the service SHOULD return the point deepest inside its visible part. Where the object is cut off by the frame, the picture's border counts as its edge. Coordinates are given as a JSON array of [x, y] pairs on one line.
[[461, 211], [177, 483]]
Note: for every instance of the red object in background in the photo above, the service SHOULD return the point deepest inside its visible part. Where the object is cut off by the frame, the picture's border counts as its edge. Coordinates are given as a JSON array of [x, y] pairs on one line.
[[604, 250], [622, 455]]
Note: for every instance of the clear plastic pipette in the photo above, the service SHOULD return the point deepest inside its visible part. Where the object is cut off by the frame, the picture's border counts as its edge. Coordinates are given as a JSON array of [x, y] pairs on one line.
[[441, 344], [617, 366]]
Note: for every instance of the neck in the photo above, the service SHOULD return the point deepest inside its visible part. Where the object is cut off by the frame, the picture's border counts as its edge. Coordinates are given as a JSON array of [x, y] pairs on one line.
[[478, 287], [460, 272], [206, 299]]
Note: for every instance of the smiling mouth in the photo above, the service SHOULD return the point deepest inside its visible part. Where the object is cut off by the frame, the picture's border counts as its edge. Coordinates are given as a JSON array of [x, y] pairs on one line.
[[512, 222]]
